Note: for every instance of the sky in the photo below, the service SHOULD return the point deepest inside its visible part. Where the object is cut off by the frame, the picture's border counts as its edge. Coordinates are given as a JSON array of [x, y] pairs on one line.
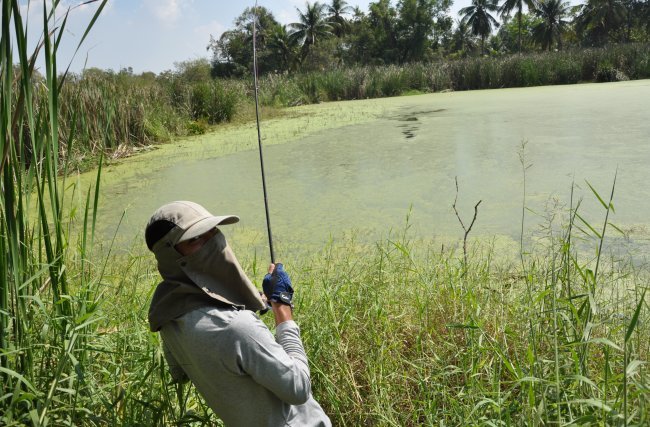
[[151, 35]]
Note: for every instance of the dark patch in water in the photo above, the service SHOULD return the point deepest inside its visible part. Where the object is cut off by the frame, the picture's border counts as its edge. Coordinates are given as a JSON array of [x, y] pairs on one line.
[[413, 116], [411, 130], [424, 113]]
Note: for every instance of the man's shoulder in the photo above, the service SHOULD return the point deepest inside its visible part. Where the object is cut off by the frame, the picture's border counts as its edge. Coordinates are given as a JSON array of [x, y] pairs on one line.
[[247, 324], [234, 317], [245, 318]]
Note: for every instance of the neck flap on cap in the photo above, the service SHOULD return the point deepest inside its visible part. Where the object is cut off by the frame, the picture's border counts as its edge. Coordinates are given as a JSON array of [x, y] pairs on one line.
[[213, 269]]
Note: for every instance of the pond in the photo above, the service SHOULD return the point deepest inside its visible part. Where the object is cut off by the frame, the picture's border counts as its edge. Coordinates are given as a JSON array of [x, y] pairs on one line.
[[362, 167]]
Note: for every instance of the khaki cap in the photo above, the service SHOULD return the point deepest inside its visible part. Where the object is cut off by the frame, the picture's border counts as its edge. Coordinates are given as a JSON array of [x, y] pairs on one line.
[[186, 219]]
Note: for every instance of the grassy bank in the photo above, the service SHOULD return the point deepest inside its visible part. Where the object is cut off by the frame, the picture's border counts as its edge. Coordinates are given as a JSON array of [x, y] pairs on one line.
[[398, 333]]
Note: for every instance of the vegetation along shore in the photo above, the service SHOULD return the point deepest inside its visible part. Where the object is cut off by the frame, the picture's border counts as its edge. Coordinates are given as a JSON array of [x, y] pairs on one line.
[[400, 332]]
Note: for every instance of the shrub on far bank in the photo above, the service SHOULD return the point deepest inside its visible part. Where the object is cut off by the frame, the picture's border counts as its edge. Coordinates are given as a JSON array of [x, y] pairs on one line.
[[213, 101], [125, 110], [197, 127], [613, 63]]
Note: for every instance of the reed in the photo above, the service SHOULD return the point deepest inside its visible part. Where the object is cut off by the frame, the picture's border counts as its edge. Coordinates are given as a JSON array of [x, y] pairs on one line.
[[45, 308], [613, 63], [400, 335], [123, 112]]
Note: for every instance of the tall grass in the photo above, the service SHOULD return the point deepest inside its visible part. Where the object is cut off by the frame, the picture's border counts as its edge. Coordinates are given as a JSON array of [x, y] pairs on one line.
[[46, 308], [613, 63], [51, 285], [401, 336], [122, 112]]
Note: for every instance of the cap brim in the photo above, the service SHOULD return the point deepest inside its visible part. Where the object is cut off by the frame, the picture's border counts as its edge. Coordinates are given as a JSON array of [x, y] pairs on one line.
[[206, 225]]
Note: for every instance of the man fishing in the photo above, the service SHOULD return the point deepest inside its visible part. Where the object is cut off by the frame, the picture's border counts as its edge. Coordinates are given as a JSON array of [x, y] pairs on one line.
[[204, 311]]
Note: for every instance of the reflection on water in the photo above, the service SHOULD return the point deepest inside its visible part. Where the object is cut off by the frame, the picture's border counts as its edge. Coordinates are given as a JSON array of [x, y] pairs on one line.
[[367, 176]]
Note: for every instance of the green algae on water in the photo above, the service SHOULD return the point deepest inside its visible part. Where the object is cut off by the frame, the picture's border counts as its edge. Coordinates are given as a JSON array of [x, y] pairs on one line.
[[362, 165]]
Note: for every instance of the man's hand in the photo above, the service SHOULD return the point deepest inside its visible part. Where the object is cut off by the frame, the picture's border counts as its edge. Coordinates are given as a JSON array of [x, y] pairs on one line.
[[277, 285], [274, 283]]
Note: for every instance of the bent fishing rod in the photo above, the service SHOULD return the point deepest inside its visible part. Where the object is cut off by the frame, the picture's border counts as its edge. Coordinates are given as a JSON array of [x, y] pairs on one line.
[[259, 135]]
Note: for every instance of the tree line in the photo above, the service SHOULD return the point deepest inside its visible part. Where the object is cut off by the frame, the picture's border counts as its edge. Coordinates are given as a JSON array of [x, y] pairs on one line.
[[336, 34]]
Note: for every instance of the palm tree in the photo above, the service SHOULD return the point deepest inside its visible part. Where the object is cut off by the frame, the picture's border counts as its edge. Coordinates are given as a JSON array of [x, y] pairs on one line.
[[336, 10], [478, 17], [552, 25], [601, 17], [283, 46], [509, 5], [312, 27], [463, 40]]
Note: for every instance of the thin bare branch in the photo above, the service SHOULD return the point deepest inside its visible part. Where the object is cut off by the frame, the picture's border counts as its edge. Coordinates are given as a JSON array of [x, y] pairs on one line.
[[465, 229]]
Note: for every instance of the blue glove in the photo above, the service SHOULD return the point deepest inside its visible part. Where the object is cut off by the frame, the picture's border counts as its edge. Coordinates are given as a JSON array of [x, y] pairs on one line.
[[277, 286]]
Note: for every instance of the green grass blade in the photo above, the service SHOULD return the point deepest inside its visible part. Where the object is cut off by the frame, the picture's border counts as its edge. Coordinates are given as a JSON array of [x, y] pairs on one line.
[[584, 221], [600, 199], [96, 200], [635, 319], [20, 378]]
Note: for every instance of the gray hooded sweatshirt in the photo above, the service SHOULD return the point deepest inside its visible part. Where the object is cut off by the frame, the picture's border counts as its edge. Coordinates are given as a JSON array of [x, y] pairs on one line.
[[246, 376]]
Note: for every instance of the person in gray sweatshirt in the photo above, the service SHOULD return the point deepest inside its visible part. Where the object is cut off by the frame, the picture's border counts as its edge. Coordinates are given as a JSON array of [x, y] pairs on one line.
[[204, 309]]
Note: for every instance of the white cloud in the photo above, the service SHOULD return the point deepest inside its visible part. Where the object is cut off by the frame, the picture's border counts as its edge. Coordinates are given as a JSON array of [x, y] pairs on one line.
[[167, 11], [289, 13]]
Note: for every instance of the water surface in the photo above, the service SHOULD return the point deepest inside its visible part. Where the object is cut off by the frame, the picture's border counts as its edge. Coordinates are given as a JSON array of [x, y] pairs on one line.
[[366, 175]]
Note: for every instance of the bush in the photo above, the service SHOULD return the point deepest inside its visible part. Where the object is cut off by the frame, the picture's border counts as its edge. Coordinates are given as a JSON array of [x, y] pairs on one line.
[[279, 90], [223, 105], [197, 127], [608, 73], [213, 102]]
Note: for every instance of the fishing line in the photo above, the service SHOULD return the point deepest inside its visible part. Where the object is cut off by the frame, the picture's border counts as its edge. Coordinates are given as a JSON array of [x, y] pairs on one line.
[[259, 135]]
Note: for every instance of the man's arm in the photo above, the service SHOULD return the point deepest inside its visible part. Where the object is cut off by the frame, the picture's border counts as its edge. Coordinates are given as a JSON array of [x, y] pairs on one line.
[[295, 381], [280, 364]]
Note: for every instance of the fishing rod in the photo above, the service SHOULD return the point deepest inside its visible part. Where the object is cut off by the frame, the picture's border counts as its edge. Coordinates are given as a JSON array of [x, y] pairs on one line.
[[259, 134]]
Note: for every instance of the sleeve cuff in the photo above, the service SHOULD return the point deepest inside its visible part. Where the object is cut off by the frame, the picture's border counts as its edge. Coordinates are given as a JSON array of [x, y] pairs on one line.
[[286, 326]]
